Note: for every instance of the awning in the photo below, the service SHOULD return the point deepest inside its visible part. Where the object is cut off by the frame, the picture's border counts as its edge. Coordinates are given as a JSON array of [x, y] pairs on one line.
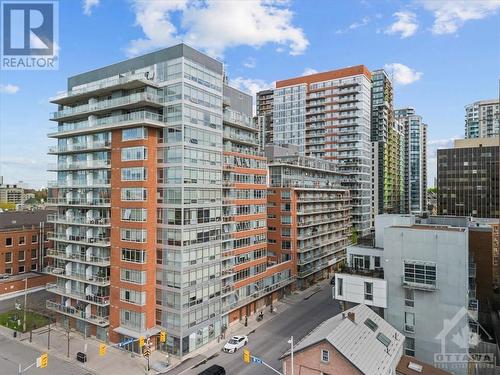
[[134, 334]]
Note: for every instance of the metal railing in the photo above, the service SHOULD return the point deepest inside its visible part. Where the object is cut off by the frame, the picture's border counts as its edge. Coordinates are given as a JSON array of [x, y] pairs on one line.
[[90, 279], [80, 314], [93, 241], [91, 298], [80, 202], [101, 261], [98, 221]]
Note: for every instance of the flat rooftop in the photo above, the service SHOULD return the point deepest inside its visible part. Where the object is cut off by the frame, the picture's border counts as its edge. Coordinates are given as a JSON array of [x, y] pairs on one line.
[[22, 219], [430, 227]]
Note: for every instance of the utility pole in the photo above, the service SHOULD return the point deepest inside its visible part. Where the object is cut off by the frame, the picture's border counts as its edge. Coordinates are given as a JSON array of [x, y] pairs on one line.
[[291, 353], [48, 334], [68, 339], [25, 300]]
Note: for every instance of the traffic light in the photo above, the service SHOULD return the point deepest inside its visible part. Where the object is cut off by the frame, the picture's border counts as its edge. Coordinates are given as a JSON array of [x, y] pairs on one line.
[[246, 355], [163, 336], [44, 360], [102, 349], [141, 342]]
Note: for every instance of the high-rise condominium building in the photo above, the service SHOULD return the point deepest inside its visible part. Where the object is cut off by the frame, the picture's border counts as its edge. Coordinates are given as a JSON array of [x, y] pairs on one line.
[[482, 119], [308, 214], [146, 237], [415, 159], [387, 138], [264, 107], [468, 178], [327, 115]]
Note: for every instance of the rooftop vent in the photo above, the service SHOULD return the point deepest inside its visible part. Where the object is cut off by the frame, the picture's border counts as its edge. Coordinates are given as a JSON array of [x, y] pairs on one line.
[[415, 367]]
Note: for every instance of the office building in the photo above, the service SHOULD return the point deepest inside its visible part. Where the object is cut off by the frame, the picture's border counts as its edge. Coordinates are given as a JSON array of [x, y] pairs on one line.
[[387, 138], [24, 248], [308, 214], [481, 119], [327, 115], [264, 118], [468, 178], [415, 159], [160, 198]]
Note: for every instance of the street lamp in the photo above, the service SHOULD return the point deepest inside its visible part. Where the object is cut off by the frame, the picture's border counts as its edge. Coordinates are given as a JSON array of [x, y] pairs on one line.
[[291, 352], [25, 299]]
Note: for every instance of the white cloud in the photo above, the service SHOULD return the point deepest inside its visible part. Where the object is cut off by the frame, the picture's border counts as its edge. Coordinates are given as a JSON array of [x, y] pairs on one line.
[[250, 63], [355, 25], [309, 71], [406, 24], [8, 88], [402, 74], [250, 85], [88, 5], [450, 15], [216, 25]]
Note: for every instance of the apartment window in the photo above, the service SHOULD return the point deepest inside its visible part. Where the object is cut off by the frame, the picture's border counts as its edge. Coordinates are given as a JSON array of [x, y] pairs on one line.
[[21, 269], [325, 356], [8, 241], [133, 276], [410, 346], [134, 214], [134, 194], [34, 238], [134, 256], [133, 235], [340, 287], [368, 291], [134, 174], [286, 207], [286, 219], [33, 266], [423, 273], [132, 319], [8, 271], [22, 240], [377, 262], [409, 322], [134, 153], [286, 232], [33, 254], [133, 296], [286, 245], [8, 257], [20, 255], [409, 297], [134, 133], [285, 194]]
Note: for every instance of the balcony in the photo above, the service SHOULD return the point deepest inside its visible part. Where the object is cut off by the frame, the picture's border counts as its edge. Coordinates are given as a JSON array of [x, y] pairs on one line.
[[80, 240], [129, 101], [408, 283], [94, 202], [90, 298], [301, 261], [88, 259], [303, 272], [94, 89], [80, 147], [109, 123], [89, 279], [304, 235], [89, 164], [80, 183], [83, 220], [102, 321]]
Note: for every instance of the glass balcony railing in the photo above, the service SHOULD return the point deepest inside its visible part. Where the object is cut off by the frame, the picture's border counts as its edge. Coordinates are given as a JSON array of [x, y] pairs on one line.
[[89, 279], [92, 259], [91, 241], [102, 321], [76, 147], [104, 202], [91, 298], [87, 164], [98, 221], [79, 183]]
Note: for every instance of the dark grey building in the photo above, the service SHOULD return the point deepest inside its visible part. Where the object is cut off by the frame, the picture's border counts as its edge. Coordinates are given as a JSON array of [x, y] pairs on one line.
[[468, 178], [264, 116]]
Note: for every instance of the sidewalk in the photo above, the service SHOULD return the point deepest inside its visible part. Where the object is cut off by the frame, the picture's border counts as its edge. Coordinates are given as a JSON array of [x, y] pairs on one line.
[[239, 328], [115, 362]]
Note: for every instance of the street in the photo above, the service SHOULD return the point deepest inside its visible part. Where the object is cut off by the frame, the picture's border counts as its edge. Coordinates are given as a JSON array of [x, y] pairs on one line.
[[269, 341], [13, 352]]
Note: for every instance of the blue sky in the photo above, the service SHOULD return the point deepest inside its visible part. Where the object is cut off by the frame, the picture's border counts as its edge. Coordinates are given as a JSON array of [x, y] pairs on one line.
[[441, 54]]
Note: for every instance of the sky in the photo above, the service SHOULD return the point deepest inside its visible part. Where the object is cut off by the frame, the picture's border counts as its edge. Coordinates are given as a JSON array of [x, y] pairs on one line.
[[441, 55]]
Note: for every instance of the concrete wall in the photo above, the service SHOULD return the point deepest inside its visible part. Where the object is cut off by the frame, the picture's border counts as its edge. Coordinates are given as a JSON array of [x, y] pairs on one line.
[[354, 290], [386, 220]]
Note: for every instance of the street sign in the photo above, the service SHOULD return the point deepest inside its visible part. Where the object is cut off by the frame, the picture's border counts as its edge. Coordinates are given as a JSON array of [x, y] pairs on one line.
[[147, 352], [125, 343], [257, 360]]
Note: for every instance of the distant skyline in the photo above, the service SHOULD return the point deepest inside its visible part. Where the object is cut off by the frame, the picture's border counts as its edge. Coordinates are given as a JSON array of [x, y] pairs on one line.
[[442, 55]]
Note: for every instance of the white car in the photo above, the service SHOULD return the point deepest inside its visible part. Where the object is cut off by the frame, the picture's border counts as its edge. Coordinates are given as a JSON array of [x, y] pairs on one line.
[[235, 343]]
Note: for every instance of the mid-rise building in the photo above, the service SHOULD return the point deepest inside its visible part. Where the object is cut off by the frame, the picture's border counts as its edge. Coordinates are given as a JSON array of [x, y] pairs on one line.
[[308, 214], [161, 203], [264, 118], [387, 138], [482, 119], [328, 116], [468, 178], [12, 195], [415, 160]]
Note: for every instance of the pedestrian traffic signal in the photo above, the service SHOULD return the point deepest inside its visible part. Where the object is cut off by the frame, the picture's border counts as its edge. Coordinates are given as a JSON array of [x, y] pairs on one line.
[[141, 342], [163, 336], [102, 349], [44, 360], [246, 355]]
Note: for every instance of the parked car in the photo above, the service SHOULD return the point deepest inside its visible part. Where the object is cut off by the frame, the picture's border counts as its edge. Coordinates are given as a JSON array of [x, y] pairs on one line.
[[214, 370], [235, 343]]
